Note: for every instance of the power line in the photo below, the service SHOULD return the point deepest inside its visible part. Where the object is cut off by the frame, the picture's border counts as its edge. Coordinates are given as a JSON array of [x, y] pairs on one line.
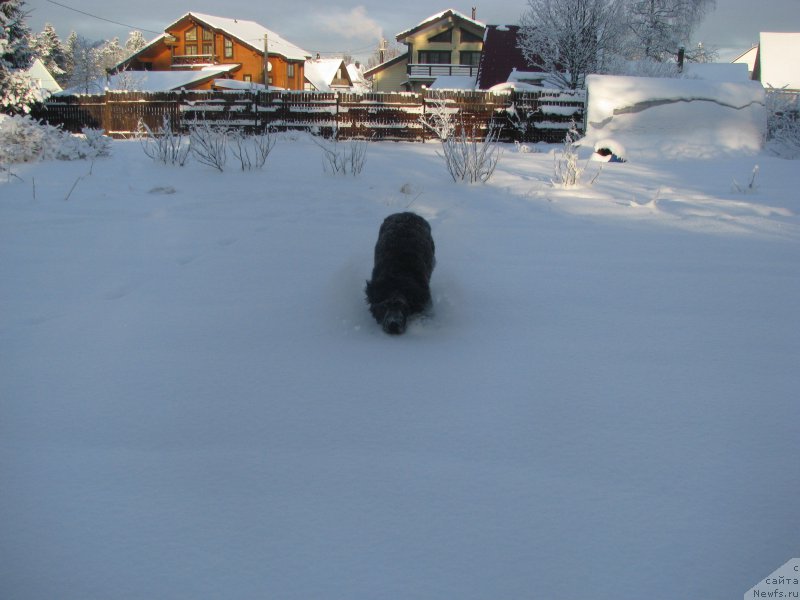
[[103, 18]]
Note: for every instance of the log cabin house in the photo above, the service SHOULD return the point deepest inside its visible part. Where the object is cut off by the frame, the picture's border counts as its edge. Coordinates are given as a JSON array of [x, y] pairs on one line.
[[231, 46]]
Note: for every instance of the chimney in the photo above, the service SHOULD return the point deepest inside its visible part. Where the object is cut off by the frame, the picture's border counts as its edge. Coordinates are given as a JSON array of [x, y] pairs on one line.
[[474, 12], [681, 56]]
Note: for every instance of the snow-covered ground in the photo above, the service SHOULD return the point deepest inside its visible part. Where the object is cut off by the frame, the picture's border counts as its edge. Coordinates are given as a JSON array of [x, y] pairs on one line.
[[195, 402]]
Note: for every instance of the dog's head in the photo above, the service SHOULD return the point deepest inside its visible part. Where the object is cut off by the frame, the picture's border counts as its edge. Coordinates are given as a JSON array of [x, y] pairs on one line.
[[392, 314]]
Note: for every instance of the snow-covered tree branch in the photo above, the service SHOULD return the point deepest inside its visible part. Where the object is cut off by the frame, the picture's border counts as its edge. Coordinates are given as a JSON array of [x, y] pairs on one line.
[[571, 38]]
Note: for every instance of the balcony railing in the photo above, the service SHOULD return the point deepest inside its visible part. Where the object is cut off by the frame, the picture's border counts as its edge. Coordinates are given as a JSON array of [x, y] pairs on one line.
[[187, 60], [431, 71]]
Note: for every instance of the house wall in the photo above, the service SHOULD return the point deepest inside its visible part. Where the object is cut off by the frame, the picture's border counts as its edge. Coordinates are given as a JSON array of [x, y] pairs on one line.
[[420, 41], [279, 74], [156, 58], [391, 78]]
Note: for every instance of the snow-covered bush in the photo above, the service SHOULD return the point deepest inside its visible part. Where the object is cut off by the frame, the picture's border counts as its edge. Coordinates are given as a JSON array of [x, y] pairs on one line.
[[567, 170], [783, 123], [252, 150], [346, 157], [468, 159], [18, 93], [23, 139], [209, 144], [439, 117], [165, 145]]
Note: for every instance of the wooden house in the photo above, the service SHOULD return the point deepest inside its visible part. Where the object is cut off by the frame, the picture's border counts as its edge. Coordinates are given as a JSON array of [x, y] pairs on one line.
[[198, 41], [443, 45]]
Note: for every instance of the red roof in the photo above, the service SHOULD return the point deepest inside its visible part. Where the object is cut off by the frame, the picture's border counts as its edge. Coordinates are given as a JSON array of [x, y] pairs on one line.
[[500, 56]]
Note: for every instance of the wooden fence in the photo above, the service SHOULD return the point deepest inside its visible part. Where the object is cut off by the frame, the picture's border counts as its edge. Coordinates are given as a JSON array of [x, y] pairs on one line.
[[521, 116]]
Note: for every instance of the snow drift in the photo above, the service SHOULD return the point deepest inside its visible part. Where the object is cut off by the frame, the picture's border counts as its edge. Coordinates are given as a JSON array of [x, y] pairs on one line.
[[676, 118]]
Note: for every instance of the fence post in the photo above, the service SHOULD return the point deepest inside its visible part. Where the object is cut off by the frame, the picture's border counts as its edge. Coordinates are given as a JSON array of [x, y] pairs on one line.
[[105, 114]]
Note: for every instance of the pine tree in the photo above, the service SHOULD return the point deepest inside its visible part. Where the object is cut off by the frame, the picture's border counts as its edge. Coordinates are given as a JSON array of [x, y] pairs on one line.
[[50, 50], [17, 90], [15, 36]]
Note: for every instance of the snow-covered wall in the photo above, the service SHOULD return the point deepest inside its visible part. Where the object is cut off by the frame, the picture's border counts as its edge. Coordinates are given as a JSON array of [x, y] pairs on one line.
[[676, 118]]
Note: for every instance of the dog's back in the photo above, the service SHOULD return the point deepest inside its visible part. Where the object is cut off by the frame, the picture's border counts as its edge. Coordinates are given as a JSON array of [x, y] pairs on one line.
[[404, 261], [405, 246]]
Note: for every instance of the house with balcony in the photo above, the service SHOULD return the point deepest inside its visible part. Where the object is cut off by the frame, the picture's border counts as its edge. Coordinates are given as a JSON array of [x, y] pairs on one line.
[[447, 44], [230, 48]]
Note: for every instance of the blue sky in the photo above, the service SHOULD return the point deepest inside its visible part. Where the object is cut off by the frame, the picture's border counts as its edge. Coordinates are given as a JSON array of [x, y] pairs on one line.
[[333, 28]]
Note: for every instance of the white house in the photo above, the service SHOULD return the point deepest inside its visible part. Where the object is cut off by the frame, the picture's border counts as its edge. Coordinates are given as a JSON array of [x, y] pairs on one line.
[[43, 78], [776, 63]]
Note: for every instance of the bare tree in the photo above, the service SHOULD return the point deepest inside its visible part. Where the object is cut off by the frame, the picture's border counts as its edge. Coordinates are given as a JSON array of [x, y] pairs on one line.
[[571, 38], [658, 28], [87, 70]]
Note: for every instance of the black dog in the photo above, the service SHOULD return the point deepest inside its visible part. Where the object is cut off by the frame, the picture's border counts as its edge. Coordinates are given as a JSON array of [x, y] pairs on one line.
[[404, 261]]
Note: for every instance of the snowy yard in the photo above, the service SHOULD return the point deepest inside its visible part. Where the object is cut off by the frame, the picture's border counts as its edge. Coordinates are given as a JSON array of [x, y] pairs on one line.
[[195, 402]]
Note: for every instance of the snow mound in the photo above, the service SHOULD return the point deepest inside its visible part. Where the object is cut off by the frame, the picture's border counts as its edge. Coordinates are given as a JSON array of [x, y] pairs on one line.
[[676, 118]]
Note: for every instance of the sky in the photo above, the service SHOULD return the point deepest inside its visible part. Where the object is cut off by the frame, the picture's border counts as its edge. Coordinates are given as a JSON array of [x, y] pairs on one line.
[[355, 28]]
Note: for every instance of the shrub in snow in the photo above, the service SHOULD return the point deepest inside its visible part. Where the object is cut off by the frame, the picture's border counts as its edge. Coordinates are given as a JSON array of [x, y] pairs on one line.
[[439, 117], [209, 144], [567, 169], [470, 160], [89, 144], [252, 150], [23, 139], [749, 187], [164, 146], [783, 123], [19, 93], [343, 157]]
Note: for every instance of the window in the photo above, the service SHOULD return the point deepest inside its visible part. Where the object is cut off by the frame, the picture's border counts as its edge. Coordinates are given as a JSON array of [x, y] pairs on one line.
[[190, 38], [469, 37], [228, 47], [470, 58], [290, 70], [445, 36], [247, 77], [434, 57]]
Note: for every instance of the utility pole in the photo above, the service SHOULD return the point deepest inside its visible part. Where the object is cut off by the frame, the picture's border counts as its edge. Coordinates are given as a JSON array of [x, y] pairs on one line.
[[266, 62]]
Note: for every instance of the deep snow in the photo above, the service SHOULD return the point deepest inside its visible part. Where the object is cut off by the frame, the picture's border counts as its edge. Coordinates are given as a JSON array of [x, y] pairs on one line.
[[196, 403]]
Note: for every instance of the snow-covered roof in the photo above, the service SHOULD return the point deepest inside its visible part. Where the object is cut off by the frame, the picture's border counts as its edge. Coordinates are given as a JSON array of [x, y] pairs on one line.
[[717, 71], [43, 78], [778, 59], [450, 12], [321, 72], [235, 84], [250, 33], [453, 82], [153, 81], [748, 57]]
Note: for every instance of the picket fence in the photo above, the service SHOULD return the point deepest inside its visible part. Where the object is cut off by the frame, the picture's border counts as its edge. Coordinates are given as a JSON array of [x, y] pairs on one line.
[[542, 116]]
